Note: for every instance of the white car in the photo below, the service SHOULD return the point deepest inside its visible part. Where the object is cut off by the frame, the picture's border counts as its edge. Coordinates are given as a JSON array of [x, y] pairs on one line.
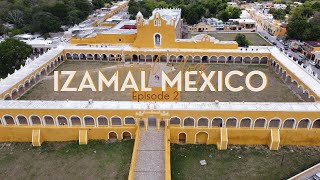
[[312, 63], [317, 176]]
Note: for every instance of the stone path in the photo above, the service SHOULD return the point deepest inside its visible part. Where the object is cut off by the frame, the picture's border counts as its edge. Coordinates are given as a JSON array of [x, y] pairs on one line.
[[150, 155], [158, 68]]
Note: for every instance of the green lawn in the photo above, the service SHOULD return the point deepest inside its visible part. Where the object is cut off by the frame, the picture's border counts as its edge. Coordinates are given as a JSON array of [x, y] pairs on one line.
[[67, 160], [240, 162], [255, 38]]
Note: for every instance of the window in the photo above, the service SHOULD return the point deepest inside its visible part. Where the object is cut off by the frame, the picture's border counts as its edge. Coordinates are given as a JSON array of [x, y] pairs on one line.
[[157, 39]]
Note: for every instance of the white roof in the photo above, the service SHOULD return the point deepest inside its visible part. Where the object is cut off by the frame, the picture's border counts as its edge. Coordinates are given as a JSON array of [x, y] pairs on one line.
[[311, 81], [28, 69], [181, 106], [167, 14]]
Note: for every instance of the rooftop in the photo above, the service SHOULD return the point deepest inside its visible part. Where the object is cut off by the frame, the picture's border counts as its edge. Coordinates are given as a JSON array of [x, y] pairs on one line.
[[182, 106]]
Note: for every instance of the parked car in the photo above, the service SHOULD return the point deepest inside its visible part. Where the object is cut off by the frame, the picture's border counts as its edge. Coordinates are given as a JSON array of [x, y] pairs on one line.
[[281, 49], [289, 54], [317, 66], [266, 37], [300, 62], [295, 58], [312, 63], [286, 48], [317, 176], [302, 56]]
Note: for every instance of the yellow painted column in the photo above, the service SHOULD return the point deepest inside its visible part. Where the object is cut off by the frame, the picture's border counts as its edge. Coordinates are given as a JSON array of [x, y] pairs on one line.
[[158, 123], [146, 124]]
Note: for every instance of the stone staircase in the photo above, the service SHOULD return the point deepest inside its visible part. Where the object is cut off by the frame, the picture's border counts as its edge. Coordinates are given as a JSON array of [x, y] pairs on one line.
[[150, 155]]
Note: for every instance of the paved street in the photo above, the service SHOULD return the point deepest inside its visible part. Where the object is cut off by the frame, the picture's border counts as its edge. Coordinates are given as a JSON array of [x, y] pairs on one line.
[[264, 33]]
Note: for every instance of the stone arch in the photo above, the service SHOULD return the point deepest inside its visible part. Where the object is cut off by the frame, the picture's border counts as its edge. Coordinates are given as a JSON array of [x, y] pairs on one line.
[[21, 89], [230, 59], [126, 135], [75, 56], [217, 122], [104, 57], [255, 60], [231, 122], [111, 57], [304, 123], [75, 121], [182, 138], [69, 56], [175, 121], [35, 120], [142, 58], [190, 59], [213, 59], [247, 60], [264, 60], [148, 58], [189, 121], [127, 58], [7, 97], [129, 120], [26, 85], [43, 72], [289, 123], [48, 120], [22, 120], [62, 121], [83, 56], [238, 60], [180, 58], [205, 59], [89, 121], [245, 123], [274, 123], [202, 138], [316, 124], [157, 39], [260, 123], [311, 98], [197, 59], [102, 121], [89, 57], [8, 120], [97, 57], [222, 59], [172, 59], [14, 94], [163, 58], [203, 122], [135, 58], [112, 136], [116, 121]]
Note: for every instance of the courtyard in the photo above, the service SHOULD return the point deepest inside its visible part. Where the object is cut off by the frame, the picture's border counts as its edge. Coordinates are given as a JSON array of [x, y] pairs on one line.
[[255, 38], [276, 90], [240, 162], [66, 160]]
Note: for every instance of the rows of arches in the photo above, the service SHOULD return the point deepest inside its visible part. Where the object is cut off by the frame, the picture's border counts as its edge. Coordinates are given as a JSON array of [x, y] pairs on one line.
[[61, 120], [170, 58], [113, 136], [31, 81], [292, 83], [246, 122]]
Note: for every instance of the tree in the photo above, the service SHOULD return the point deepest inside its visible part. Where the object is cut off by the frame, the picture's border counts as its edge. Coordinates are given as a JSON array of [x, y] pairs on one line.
[[278, 14], [97, 4], [224, 16], [45, 22], [296, 27], [12, 54], [242, 40]]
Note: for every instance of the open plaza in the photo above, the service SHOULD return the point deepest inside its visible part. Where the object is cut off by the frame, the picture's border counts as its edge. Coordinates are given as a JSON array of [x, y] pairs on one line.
[[246, 132]]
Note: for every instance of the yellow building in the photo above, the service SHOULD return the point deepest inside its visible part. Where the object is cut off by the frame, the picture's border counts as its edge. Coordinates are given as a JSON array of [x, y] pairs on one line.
[[148, 40]]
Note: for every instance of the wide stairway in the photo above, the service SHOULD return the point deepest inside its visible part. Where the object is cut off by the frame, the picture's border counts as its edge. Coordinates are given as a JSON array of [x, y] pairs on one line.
[[150, 155]]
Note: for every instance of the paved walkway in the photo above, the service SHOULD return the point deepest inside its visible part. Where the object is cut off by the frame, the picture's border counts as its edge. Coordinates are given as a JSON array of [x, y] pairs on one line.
[[150, 155], [158, 68]]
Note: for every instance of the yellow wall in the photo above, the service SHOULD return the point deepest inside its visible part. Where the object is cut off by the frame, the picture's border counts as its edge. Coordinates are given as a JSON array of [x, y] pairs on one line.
[[106, 39]]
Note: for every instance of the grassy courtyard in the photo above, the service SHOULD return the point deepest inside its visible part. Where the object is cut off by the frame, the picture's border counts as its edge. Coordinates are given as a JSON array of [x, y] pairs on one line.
[[276, 90], [240, 162], [255, 38], [66, 160]]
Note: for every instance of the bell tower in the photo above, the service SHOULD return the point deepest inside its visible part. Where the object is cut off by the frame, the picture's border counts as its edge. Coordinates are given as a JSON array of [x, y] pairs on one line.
[[139, 19]]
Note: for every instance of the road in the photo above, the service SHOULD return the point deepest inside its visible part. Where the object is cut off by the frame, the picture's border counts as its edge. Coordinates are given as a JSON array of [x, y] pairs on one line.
[[270, 38]]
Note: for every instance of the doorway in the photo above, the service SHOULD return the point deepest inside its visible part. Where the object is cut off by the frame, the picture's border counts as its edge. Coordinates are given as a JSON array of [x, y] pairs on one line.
[[152, 121]]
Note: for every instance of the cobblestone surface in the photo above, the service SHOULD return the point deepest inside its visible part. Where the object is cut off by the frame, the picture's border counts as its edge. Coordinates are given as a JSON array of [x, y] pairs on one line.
[[150, 156]]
